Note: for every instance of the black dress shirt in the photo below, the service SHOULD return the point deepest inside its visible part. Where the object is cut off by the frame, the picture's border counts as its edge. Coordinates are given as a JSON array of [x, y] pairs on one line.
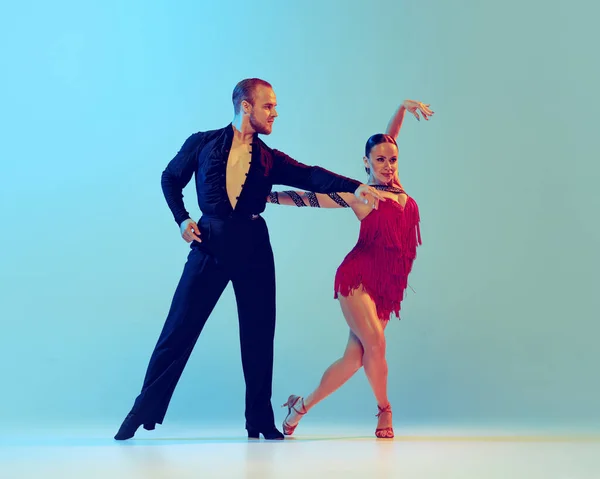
[[206, 155]]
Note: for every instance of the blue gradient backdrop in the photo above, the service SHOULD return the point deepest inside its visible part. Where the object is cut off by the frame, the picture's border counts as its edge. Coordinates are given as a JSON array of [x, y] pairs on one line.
[[97, 97]]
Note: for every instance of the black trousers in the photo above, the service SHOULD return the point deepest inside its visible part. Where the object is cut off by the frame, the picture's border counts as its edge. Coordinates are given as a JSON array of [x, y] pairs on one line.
[[232, 249]]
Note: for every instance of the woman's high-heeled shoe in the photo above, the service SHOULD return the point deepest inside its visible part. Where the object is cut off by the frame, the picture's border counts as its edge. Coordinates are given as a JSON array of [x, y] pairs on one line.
[[384, 432], [291, 404]]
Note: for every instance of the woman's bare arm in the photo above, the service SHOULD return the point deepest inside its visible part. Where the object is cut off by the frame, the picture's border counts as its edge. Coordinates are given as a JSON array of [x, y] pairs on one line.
[[314, 200], [395, 124]]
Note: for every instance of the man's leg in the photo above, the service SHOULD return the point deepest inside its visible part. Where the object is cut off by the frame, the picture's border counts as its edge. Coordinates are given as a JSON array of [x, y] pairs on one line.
[[254, 286], [199, 289]]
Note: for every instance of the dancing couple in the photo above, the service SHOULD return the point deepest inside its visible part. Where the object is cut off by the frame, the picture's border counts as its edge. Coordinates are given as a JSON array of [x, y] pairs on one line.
[[235, 172]]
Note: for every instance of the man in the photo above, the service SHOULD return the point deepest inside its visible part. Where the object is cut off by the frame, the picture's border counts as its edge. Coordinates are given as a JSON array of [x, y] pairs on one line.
[[235, 172]]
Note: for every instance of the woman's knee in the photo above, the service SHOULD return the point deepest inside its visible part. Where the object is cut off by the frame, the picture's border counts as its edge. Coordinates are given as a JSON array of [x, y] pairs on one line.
[[374, 345]]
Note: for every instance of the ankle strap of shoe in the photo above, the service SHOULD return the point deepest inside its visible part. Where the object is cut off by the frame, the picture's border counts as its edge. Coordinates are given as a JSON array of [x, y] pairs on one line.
[[384, 409]]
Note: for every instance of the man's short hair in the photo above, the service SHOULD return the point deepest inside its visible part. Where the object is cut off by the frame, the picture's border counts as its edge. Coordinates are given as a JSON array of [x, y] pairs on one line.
[[245, 90]]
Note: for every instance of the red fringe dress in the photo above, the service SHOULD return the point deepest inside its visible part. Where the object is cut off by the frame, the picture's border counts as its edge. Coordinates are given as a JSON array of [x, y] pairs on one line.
[[383, 256]]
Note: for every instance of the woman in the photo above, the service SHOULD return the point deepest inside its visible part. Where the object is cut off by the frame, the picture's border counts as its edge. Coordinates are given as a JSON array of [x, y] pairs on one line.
[[371, 281]]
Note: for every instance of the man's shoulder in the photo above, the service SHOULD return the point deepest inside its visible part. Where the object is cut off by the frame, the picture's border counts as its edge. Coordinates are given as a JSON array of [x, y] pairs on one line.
[[272, 151], [201, 138], [207, 134]]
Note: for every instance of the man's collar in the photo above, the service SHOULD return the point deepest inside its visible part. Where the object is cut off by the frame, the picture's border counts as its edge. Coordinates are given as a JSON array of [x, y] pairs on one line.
[[229, 132]]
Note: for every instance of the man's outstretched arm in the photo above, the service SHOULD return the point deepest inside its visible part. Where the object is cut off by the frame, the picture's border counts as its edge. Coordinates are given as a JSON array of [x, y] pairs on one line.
[[287, 171]]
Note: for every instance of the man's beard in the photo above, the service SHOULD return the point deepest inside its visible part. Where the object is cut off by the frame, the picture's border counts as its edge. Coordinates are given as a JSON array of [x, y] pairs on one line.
[[257, 127]]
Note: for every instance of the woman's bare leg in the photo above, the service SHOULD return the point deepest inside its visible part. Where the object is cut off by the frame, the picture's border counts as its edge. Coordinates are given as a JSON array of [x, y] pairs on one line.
[[361, 314], [334, 377], [369, 351]]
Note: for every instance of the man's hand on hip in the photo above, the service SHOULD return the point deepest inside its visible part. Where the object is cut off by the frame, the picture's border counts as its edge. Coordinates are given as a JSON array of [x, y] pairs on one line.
[[190, 231]]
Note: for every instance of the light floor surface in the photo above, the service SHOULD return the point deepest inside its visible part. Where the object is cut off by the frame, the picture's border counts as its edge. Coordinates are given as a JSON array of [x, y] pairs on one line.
[[181, 453]]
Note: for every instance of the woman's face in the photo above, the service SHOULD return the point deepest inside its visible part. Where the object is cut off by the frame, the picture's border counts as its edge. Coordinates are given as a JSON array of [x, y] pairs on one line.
[[383, 162]]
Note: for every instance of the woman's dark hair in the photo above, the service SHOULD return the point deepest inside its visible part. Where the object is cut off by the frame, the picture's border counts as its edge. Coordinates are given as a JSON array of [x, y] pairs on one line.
[[377, 140]]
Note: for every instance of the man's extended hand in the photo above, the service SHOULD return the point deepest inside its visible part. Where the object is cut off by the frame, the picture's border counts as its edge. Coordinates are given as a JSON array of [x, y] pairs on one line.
[[369, 195], [190, 231]]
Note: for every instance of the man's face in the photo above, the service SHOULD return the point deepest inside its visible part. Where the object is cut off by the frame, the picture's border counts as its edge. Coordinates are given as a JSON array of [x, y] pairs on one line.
[[263, 113]]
